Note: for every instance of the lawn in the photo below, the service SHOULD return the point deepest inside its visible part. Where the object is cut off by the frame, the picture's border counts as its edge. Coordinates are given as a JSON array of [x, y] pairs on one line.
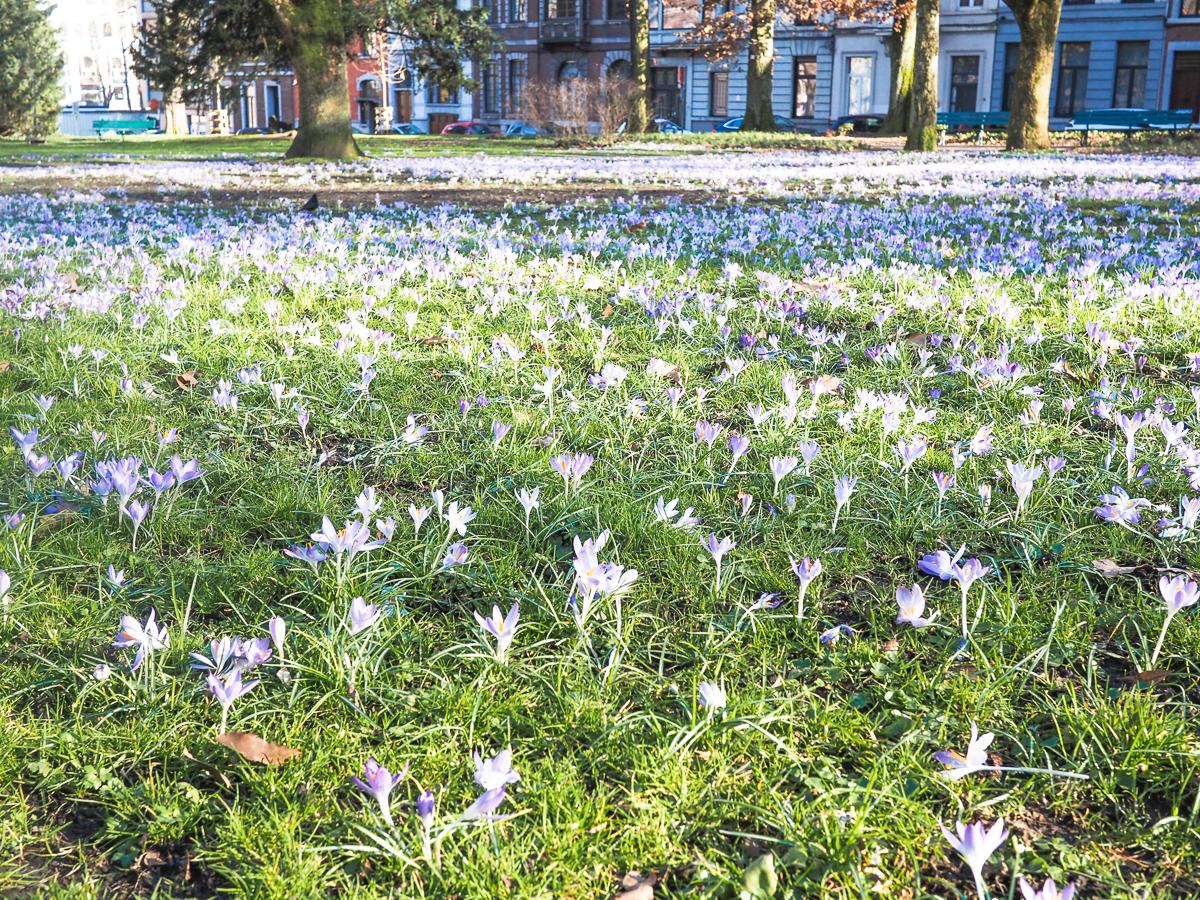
[[269, 474]]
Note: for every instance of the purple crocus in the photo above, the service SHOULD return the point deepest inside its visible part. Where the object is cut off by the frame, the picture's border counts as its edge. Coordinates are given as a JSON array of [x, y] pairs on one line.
[[966, 574], [363, 615], [1048, 891], [484, 806], [717, 548], [501, 627], [147, 637], [379, 782], [781, 467], [499, 430], [228, 691], [976, 844], [806, 571], [1178, 593]]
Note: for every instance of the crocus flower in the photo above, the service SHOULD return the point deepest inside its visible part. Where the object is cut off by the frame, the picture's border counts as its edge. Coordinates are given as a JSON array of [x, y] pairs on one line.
[[940, 564], [943, 482], [499, 430], [806, 572], [781, 467], [529, 502], [1120, 508], [425, 808], [458, 519], [843, 487], [966, 574], [379, 782], [976, 758], [1178, 592], [363, 615], [228, 691], [975, 845], [911, 451], [1048, 891], [483, 807], [712, 696], [418, 514], [1023, 479], [912, 607], [5, 586], [502, 628], [147, 638], [832, 635], [717, 547], [738, 445], [456, 555], [495, 772], [277, 628]]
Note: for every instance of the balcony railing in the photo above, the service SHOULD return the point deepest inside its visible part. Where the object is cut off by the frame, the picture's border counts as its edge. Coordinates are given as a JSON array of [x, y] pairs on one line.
[[556, 29]]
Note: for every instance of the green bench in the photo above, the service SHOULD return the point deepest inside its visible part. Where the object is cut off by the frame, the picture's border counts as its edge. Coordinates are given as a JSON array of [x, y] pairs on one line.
[[977, 120], [1130, 120], [124, 126]]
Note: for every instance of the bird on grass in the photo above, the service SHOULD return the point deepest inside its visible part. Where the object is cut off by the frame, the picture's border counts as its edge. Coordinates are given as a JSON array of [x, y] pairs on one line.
[[311, 205]]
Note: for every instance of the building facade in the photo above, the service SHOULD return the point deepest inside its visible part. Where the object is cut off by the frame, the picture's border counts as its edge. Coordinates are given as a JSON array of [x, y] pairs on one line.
[[1110, 54]]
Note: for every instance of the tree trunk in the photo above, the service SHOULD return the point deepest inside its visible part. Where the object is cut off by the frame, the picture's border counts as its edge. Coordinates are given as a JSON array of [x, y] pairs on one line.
[[316, 34], [902, 49], [922, 119], [639, 67], [1029, 100], [760, 113]]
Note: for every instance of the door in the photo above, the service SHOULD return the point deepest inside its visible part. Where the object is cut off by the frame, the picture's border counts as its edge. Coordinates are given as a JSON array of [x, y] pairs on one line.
[[1185, 83], [666, 96], [271, 97], [438, 121], [964, 83]]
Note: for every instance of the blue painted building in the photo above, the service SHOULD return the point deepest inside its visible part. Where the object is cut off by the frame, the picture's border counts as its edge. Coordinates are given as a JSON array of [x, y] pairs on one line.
[[1109, 55]]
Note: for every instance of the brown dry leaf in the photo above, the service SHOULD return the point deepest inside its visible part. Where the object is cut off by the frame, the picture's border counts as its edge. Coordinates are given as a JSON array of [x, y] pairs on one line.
[[674, 376], [187, 380], [1069, 372], [607, 311], [1154, 676], [5, 365], [892, 646], [252, 747], [634, 227], [432, 341], [436, 373], [71, 282], [825, 384], [1110, 568], [918, 338], [635, 886]]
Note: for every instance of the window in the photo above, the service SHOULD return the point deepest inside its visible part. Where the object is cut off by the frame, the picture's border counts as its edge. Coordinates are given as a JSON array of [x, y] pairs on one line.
[[969, 4], [560, 9], [616, 9], [1129, 88], [804, 87], [517, 10], [860, 79], [964, 83], [1189, 8], [491, 86], [1072, 78], [718, 95], [439, 94], [1011, 55], [516, 85]]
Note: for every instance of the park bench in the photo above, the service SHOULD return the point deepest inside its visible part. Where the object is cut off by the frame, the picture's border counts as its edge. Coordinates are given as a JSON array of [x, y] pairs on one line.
[[124, 126], [1130, 120], [978, 120]]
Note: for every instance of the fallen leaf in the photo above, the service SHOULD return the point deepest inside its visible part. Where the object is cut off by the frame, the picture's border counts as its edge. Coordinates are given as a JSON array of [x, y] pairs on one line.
[[252, 747], [607, 311], [918, 338], [5, 365], [635, 886], [892, 646], [187, 380], [1154, 676], [1110, 568], [1069, 372], [759, 880], [432, 341], [634, 227], [825, 384]]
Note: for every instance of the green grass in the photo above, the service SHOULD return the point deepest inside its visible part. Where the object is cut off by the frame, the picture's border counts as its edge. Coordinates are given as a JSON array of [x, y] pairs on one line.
[[823, 758]]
